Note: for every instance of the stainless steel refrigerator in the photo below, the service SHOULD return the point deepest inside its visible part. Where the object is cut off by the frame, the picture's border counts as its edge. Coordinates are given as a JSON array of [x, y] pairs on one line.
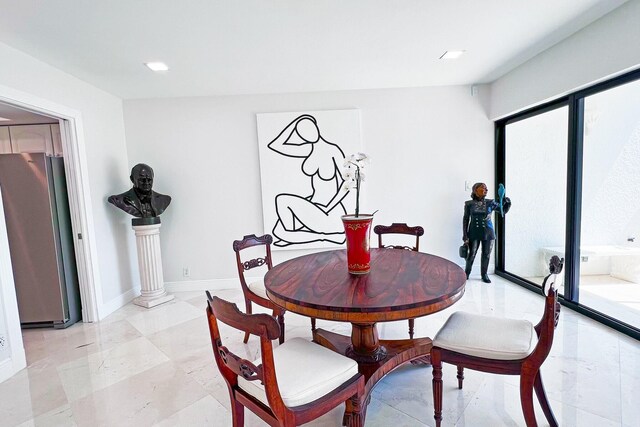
[[36, 210]]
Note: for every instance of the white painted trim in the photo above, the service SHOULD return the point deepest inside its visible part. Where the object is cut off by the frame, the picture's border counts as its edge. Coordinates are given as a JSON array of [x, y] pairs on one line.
[[17, 360], [6, 369], [72, 138], [206, 285], [78, 191], [9, 367], [118, 302]]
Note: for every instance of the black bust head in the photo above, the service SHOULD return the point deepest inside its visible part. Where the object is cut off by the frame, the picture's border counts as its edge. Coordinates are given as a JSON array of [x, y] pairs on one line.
[[142, 179], [141, 201]]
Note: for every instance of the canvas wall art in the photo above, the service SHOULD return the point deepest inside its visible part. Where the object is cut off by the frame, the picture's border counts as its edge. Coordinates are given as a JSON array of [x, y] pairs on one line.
[[301, 165]]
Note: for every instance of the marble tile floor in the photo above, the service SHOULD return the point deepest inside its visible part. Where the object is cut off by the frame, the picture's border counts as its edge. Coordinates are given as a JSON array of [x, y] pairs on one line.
[[155, 367]]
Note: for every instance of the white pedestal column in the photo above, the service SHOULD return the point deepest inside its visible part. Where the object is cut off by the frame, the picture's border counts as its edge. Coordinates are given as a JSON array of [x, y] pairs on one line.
[[152, 291]]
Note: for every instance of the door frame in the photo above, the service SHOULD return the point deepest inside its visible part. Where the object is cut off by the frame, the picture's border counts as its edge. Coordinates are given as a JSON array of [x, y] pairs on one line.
[[77, 177]]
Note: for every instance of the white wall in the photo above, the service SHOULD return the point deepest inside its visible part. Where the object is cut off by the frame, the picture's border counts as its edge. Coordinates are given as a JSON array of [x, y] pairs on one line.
[[424, 143], [107, 165], [605, 48], [5, 280], [5, 346], [12, 355]]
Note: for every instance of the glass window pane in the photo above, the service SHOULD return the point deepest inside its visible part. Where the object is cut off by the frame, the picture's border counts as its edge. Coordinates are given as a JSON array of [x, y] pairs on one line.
[[536, 181], [610, 230]]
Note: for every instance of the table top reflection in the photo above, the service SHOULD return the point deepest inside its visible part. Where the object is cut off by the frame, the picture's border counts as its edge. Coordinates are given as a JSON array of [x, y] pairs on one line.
[[401, 284]]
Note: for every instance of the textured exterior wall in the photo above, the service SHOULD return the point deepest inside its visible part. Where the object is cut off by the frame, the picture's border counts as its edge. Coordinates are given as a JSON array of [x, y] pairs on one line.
[[611, 177]]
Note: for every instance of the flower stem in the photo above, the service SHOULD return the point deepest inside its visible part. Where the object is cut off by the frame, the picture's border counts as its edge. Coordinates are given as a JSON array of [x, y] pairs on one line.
[[357, 190]]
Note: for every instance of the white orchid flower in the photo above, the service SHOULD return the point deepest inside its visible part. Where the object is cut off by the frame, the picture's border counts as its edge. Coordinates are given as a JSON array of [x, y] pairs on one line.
[[353, 176], [364, 159]]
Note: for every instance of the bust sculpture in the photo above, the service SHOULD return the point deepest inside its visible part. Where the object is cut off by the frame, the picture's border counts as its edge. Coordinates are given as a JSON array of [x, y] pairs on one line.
[[141, 201]]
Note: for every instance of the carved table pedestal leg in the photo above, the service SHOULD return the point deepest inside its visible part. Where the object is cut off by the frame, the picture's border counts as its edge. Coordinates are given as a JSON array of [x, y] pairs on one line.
[[375, 357]]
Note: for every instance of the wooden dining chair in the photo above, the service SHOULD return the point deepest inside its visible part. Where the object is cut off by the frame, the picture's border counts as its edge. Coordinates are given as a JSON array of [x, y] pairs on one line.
[[501, 346], [255, 292], [290, 385], [400, 228]]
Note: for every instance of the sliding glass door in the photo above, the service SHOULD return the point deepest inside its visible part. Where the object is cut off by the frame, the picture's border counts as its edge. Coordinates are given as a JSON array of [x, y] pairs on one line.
[[610, 232], [572, 170], [535, 180]]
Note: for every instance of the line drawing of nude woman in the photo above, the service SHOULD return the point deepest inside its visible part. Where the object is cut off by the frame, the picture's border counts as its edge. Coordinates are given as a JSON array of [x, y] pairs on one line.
[[310, 218]]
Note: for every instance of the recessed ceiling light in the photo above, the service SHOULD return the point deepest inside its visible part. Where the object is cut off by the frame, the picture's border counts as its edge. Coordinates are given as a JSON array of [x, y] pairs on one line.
[[2, 119], [452, 54], [157, 66]]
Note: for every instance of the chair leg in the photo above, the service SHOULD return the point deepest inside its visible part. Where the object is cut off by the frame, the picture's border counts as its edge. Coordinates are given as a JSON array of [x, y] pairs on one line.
[[354, 413], [436, 363], [544, 402], [411, 324], [281, 322], [288, 421], [237, 413], [249, 310], [526, 398], [460, 376], [313, 325]]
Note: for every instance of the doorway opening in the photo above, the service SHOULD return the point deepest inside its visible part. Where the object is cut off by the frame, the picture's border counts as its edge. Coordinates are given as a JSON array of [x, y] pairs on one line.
[[71, 142], [37, 218]]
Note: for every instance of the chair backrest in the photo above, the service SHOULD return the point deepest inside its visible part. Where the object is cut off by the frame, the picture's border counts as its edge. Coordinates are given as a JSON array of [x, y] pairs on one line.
[[546, 327], [232, 365], [399, 228], [248, 242]]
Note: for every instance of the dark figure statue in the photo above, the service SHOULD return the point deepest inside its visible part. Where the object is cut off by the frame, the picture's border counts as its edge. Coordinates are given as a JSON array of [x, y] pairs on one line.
[[477, 228], [141, 201]]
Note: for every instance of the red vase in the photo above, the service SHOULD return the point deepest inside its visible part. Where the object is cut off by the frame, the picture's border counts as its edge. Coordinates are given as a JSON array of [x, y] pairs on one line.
[[357, 230]]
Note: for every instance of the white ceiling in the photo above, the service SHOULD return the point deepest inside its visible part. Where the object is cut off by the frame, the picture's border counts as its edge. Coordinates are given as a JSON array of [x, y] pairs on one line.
[[216, 47]]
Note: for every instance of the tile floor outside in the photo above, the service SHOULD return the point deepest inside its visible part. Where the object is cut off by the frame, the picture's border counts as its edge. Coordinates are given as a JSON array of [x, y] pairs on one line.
[[155, 367], [614, 297]]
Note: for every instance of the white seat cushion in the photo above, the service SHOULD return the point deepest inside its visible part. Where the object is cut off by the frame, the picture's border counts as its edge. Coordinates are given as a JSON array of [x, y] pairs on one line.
[[258, 288], [488, 337], [305, 372]]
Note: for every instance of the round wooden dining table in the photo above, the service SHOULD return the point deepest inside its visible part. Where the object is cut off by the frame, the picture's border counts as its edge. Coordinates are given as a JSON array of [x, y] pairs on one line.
[[401, 285]]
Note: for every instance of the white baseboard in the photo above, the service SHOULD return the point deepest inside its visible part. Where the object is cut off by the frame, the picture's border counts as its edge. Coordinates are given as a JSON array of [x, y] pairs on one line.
[[202, 285], [11, 366], [188, 285], [118, 302], [6, 369]]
